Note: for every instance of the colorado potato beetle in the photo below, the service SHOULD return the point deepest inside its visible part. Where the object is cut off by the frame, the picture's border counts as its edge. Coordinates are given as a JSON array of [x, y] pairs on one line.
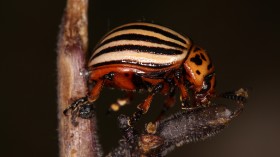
[[148, 57]]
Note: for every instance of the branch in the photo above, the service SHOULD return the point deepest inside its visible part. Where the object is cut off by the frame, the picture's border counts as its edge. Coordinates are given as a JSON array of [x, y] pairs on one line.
[[178, 129], [74, 140]]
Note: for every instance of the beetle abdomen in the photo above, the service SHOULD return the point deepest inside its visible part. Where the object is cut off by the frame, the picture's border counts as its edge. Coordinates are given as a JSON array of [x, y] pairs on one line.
[[141, 44]]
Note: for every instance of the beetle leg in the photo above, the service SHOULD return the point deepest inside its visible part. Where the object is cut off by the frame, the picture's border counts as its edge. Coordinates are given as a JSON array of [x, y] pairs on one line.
[[95, 91], [86, 109], [184, 98], [74, 105], [182, 85], [144, 107], [83, 107], [168, 103], [121, 102]]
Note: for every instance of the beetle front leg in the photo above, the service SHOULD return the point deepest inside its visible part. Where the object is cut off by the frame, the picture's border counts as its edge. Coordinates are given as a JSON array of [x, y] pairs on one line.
[[74, 105], [83, 107], [86, 110]]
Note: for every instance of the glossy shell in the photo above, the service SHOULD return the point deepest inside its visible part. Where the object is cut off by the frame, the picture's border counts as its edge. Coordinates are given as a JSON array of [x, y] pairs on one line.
[[141, 44]]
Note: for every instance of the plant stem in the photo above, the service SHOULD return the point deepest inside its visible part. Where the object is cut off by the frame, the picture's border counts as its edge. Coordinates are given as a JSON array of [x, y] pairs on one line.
[[79, 140]]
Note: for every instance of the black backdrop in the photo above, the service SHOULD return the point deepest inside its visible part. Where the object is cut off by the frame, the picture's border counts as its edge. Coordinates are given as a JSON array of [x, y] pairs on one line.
[[241, 36]]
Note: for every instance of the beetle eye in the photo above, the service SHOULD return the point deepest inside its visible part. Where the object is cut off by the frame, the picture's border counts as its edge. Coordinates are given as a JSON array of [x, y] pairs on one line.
[[208, 77], [206, 83]]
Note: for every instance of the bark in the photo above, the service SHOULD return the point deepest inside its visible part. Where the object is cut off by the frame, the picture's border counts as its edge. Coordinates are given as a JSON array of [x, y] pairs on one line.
[[74, 140]]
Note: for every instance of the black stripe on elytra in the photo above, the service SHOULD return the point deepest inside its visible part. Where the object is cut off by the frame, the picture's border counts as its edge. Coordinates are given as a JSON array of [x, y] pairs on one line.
[[140, 37], [153, 75], [133, 62], [150, 28], [137, 49]]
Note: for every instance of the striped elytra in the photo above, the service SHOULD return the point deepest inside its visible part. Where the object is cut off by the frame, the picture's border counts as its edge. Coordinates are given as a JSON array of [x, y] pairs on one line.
[[141, 44]]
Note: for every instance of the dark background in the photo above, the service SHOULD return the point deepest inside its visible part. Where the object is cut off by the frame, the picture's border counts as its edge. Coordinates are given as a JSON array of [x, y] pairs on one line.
[[241, 36]]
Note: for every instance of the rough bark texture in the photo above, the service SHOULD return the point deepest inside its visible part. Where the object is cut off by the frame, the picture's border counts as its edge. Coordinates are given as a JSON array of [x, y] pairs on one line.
[[74, 140]]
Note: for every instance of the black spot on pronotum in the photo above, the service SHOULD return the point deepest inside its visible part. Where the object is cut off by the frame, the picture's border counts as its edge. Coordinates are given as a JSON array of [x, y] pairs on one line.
[[198, 72], [202, 56], [197, 60], [196, 49], [209, 66]]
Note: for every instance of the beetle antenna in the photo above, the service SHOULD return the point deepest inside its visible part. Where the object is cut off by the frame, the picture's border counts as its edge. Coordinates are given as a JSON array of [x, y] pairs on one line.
[[240, 95]]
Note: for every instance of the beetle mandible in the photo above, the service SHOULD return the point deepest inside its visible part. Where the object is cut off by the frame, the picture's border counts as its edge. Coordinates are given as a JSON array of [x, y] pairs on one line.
[[148, 57]]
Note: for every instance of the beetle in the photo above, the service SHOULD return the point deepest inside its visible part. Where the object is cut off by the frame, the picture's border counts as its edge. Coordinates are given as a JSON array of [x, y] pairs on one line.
[[148, 57]]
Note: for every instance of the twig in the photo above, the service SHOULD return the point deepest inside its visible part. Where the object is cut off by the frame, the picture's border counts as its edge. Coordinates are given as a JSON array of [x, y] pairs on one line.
[[176, 130], [80, 140]]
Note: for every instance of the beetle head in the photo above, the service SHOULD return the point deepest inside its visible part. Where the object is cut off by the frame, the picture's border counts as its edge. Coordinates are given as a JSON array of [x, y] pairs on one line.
[[200, 74]]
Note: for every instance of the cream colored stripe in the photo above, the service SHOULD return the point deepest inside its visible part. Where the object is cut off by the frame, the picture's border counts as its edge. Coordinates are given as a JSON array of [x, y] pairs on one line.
[[133, 42], [157, 26], [139, 57]]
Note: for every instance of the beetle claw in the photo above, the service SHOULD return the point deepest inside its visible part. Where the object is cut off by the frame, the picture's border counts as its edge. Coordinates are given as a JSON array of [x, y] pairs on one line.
[[86, 111], [65, 111], [81, 108]]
